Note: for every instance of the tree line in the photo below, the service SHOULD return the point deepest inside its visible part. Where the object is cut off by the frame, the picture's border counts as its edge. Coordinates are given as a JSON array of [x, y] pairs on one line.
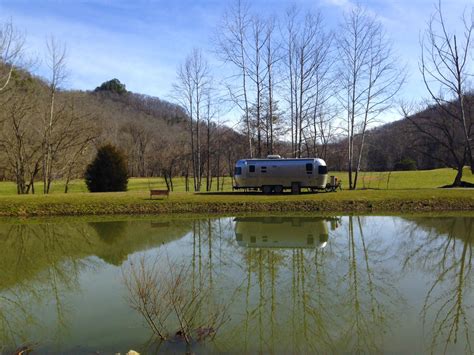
[[297, 87], [321, 92]]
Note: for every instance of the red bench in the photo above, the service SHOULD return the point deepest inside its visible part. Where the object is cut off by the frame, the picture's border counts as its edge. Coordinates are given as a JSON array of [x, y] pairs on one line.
[[159, 193]]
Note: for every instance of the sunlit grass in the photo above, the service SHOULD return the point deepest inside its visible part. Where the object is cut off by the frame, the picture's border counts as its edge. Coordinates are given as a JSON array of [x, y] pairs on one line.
[[395, 180], [407, 191]]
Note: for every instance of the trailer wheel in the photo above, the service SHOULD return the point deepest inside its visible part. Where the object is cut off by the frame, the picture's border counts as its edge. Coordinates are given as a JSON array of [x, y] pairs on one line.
[[295, 188], [278, 189], [267, 189]]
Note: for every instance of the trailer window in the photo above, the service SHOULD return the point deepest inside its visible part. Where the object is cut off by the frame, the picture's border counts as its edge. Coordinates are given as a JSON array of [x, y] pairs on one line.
[[263, 169], [322, 170], [238, 170], [251, 168], [309, 168]]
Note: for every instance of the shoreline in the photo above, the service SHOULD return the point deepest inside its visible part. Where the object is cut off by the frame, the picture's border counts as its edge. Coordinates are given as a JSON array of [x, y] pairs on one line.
[[358, 201]]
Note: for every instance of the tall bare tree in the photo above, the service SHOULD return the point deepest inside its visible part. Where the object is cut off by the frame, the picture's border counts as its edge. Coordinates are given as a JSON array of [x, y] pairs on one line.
[[307, 60], [446, 65], [258, 71], [369, 77], [56, 62], [191, 90], [272, 58], [232, 47]]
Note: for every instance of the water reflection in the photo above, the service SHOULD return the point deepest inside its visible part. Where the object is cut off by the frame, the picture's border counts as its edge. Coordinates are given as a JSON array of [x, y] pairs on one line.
[[41, 264], [342, 293], [448, 261], [370, 299], [289, 284], [281, 257], [282, 232], [38, 262], [283, 284]]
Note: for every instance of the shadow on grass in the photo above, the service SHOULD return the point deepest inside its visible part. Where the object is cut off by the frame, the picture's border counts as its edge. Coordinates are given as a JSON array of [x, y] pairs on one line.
[[255, 193], [464, 184]]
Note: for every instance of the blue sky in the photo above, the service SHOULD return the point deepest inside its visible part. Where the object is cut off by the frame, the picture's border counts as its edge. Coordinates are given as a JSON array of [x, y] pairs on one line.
[[142, 42]]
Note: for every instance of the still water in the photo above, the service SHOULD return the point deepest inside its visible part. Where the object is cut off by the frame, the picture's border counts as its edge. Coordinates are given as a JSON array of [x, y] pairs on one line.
[[276, 284]]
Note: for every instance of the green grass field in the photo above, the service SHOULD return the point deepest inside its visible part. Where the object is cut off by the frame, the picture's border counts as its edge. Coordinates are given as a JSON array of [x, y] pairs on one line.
[[407, 192], [397, 180]]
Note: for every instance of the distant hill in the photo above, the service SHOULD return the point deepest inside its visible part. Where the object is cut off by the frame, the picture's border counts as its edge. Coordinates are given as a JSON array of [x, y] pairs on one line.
[[150, 130], [153, 133], [388, 144]]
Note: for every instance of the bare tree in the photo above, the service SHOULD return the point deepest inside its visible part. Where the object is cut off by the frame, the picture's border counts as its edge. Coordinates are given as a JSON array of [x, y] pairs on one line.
[[369, 76], [140, 138], [164, 297], [307, 61], [258, 73], [191, 90], [56, 62], [272, 58], [446, 66], [232, 47], [18, 139], [11, 48], [77, 133], [210, 114]]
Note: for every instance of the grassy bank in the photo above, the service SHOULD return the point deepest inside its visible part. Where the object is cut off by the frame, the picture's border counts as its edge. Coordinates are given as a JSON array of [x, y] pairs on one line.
[[407, 192], [139, 202]]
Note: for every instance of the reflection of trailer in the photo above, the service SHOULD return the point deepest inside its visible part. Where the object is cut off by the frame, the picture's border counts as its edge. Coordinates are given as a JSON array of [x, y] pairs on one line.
[[281, 232], [274, 174]]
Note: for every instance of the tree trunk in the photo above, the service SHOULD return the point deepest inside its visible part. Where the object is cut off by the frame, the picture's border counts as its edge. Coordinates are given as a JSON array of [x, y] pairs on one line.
[[270, 100], [66, 186], [186, 181], [218, 171], [165, 175], [198, 152], [458, 178], [208, 162]]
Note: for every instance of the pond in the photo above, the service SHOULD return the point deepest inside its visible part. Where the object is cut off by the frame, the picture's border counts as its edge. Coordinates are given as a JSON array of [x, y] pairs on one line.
[[266, 284]]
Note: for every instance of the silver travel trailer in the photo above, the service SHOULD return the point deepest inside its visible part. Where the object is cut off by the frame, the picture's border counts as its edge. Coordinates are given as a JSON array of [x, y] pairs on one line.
[[274, 174]]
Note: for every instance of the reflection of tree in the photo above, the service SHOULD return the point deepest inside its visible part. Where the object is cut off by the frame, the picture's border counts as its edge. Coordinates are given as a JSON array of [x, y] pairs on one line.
[[368, 291], [35, 268], [285, 293], [110, 232], [304, 296], [14, 316], [285, 300], [443, 247], [42, 261]]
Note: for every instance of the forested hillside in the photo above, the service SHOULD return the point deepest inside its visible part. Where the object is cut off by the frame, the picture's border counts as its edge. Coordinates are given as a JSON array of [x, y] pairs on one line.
[[153, 133], [416, 138]]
